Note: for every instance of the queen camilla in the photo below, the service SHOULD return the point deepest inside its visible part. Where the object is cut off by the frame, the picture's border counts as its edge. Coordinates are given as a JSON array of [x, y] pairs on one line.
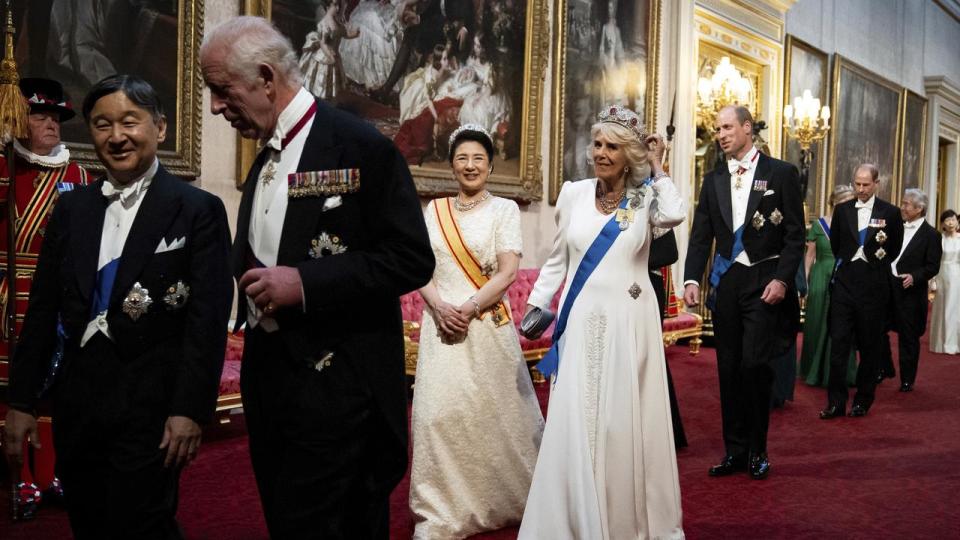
[[607, 467]]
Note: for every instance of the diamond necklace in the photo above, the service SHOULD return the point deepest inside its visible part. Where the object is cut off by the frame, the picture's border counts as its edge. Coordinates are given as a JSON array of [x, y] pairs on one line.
[[467, 206]]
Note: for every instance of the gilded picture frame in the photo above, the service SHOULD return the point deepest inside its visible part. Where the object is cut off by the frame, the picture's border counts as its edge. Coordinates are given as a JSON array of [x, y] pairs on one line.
[[588, 75], [912, 141], [517, 164], [866, 113], [807, 68], [160, 44]]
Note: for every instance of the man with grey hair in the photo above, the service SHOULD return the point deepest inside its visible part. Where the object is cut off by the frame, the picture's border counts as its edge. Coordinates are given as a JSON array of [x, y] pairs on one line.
[[329, 235], [865, 234], [917, 263]]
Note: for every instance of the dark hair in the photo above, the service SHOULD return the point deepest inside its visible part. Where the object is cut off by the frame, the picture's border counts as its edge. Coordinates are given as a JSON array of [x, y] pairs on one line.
[[136, 89], [476, 136], [947, 214]]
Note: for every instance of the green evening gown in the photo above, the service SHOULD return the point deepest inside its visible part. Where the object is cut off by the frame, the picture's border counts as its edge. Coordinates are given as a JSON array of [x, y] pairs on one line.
[[815, 356]]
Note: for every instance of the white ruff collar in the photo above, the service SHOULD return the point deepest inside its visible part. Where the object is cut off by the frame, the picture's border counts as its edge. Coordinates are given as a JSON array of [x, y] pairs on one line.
[[59, 158]]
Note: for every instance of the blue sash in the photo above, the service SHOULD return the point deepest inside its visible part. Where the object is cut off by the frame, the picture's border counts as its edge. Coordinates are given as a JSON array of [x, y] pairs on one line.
[[721, 264], [863, 235], [825, 227], [601, 244], [104, 286]]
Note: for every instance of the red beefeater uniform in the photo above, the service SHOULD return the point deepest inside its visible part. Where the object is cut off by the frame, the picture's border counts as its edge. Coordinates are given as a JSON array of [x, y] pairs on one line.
[[40, 181]]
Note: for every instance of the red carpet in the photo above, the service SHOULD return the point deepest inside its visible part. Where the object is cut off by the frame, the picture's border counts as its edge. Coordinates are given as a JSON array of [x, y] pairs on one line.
[[893, 474]]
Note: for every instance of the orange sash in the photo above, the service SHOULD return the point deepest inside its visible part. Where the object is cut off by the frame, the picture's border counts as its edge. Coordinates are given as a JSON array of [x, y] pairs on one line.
[[465, 259]]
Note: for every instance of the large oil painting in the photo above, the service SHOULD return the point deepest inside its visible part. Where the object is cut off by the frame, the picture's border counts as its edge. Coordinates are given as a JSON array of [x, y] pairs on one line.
[[80, 43], [914, 128], [605, 53], [806, 69], [418, 69], [866, 112]]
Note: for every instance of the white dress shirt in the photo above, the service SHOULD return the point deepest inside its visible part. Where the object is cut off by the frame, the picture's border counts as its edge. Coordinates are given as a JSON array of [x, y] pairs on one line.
[[864, 210], [270, 198], [739, 199], [910, 229], [121, 211]]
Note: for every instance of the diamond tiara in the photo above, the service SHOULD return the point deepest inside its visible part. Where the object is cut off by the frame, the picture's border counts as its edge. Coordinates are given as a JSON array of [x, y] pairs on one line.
[[468, 127], [626, 118]]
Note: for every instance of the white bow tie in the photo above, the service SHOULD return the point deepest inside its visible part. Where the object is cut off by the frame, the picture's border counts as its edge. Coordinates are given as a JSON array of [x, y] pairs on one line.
[[910, 225], [124, 193], [735, 165], [863, 205]]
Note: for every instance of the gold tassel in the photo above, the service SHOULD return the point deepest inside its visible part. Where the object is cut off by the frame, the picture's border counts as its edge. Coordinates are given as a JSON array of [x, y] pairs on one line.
[[13, 108]]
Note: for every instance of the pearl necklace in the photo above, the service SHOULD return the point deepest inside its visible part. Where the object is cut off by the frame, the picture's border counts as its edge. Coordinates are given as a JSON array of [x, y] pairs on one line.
[[608, 205], [467, 206]]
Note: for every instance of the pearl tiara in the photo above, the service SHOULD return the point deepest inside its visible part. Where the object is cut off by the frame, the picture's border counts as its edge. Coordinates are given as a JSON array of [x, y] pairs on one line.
[[468, 127], [626, 118]]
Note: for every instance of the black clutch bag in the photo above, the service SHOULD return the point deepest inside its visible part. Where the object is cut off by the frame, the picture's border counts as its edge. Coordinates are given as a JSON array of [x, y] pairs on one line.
[[535, 323]]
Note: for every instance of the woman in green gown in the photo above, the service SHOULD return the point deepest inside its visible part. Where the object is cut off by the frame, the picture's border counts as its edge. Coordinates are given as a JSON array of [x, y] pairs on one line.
[[818, 264]]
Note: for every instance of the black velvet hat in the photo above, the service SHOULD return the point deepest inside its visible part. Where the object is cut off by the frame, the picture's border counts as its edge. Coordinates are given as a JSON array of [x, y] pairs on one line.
[[46, 95]]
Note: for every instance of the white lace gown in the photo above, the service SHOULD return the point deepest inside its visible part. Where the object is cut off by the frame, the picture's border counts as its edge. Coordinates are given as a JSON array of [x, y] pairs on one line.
[[945, 314], [607, 469], [476, 420]]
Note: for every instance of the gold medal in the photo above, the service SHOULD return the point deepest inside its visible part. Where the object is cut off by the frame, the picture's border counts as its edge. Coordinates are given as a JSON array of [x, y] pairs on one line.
[[758, 220], [881, 237]]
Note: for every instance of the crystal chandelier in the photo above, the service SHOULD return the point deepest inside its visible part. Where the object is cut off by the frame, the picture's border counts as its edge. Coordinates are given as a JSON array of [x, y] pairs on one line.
[[805, 120], [725, 87]]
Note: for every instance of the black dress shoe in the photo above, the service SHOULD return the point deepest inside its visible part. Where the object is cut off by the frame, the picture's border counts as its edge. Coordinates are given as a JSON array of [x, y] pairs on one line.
[[857, 411], [882, 374], [729, 465], [833, 411], [759, 466], [906, 387]]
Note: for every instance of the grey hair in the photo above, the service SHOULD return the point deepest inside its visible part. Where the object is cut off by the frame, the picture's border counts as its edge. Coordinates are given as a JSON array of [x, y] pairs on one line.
[[918, 198], [840, 192], [250, 42], [633, 149]]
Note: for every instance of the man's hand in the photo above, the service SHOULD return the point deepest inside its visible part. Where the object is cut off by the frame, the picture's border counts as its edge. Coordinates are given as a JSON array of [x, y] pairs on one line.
[[273, 288], [691, 295], [907, 280], [774, 293], [19, 425], [181, 438]]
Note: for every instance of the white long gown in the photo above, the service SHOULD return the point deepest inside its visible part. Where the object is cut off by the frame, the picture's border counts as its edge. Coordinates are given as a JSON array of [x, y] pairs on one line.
[[607, 467], [945, 314], [476, 419]]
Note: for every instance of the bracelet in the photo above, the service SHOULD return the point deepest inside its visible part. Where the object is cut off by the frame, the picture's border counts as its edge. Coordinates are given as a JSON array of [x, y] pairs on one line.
[[476, 306], [660, 175]]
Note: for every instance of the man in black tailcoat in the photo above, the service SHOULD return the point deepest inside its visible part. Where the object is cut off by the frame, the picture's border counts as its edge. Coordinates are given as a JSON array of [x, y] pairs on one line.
[[133, 280], [917, 263], [330, 234], [751, 209], [866, 234]]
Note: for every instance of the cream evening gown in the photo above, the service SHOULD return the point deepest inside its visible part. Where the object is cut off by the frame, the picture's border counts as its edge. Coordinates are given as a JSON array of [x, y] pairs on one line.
[[476, 420]]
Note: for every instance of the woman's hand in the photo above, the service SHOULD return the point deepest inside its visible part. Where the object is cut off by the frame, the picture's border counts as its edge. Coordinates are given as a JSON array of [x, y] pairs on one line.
[[656, 148], [449, 319]]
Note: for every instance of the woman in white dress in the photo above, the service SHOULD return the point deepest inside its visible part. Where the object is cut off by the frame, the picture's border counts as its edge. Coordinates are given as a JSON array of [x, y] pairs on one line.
[[369, 59], [320, 61], [476, 420], [945, 317], [607, 467]]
